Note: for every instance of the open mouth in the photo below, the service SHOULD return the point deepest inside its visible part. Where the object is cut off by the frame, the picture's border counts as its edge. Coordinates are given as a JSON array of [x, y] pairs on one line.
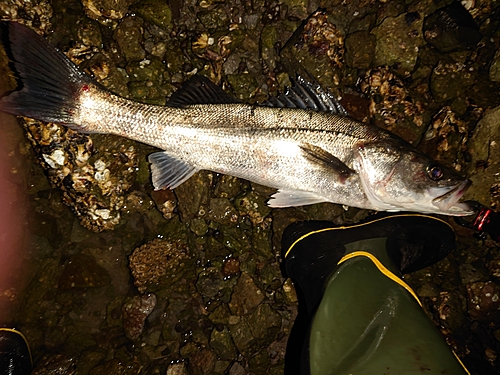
[[448, 202]]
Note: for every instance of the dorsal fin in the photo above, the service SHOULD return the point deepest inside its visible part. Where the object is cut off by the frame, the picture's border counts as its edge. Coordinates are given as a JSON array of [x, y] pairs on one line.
[[306, 95], [199, 90]]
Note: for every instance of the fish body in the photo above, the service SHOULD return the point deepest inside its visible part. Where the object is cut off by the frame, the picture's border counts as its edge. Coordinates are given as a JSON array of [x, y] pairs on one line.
[[301, 143]]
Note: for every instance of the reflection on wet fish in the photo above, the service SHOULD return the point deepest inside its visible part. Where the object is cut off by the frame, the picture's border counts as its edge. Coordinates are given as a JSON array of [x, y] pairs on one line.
[[301, 142]]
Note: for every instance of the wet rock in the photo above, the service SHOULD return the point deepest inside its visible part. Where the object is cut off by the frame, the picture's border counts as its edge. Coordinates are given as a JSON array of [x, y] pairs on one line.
[[451, 28], [360, 49], [243, 85], [135, 311], [159, 264], [82, 271], [471, 273], [129, 36], [256, 330], [494, 268], [192, 196], [253, 205], [210, 282], [269, 38], [202, 362], [198, 226], [115, 366], [222, 211], [237, 369], [484, 150], [495, 67], [398, 41], [235, 239], [59, 364], [246, 296], [227, 186], [214, 19], [483, 301], [222, 343], [260, 362], [156, 12], [450, 80]]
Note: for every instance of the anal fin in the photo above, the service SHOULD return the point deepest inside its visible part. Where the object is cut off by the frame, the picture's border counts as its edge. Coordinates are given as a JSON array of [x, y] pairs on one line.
[[292, 198], [169, 172]]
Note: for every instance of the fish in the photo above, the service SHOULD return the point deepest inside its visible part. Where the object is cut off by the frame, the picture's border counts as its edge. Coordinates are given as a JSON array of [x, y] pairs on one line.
[[301, 142]]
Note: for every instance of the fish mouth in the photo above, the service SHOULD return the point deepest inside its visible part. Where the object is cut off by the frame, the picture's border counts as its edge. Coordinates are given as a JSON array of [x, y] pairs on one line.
[[448, 202]]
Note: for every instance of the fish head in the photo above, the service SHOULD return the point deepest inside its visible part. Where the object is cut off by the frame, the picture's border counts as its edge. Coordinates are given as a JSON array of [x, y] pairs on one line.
[[397, 177]]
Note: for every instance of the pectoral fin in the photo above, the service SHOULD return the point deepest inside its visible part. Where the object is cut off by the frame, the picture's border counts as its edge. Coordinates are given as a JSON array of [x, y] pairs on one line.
[[319, 155], [292, 198], [169, 172]]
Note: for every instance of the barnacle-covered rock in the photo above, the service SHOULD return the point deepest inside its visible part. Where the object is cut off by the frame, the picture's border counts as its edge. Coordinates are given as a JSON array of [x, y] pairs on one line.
[[106, 11], [159, 264], [93, 176], [35, 13], [390, 104]]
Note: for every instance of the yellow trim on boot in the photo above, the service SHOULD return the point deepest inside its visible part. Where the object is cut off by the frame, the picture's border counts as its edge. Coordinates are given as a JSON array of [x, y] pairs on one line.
[[361, 225], [23, 337], [382, 269]]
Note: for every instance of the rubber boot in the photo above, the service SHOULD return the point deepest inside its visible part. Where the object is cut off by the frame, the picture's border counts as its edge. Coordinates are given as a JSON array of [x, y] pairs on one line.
[[363, 318], [15, 356]]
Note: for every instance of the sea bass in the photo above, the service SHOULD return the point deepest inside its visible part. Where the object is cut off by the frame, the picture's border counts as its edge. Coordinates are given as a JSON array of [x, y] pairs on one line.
[[302, 142]]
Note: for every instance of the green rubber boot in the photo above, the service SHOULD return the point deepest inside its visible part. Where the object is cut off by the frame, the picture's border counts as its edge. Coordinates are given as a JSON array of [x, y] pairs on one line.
[[363, 318]]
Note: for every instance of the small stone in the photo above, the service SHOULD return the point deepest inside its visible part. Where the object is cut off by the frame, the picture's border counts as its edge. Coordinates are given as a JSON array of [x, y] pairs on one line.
[[246, 296], [177, 369], [483, 301], [155, 11], [135, 312], [210, 282], [230, 267]]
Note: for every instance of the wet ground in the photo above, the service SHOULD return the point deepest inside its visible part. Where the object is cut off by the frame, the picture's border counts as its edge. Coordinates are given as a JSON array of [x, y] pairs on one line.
[[120, 279]]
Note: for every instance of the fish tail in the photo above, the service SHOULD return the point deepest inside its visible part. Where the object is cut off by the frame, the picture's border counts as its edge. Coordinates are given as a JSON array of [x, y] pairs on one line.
[[49, 83]]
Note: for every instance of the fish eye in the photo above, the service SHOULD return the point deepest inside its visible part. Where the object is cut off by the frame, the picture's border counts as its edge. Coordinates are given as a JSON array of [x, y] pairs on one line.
[[435, 172]]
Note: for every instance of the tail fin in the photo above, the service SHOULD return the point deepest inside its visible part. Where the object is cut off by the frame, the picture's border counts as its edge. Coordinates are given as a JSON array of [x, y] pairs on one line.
[[49, 81]]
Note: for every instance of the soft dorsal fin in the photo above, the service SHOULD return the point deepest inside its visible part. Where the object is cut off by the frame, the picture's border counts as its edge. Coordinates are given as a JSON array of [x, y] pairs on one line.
[[306, 95], [199, 90]]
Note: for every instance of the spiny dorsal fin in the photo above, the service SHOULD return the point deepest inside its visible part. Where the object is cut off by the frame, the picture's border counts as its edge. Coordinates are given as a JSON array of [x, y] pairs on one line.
[[200, 90], [306, 95]]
